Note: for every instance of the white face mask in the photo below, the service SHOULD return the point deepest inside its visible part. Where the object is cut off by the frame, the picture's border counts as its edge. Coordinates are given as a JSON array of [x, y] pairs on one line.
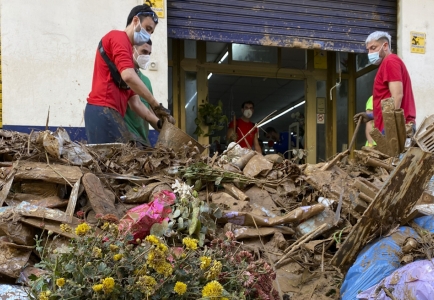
[[248, 113], [142, 60], [374, 58]]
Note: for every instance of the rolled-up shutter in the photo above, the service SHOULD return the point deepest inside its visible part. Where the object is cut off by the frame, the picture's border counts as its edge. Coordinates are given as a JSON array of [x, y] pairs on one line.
[[336, 25]]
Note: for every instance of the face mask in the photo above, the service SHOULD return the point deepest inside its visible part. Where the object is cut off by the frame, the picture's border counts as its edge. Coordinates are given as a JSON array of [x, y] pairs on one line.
[[248, 113], [374, 58], [142, 60], [141, 37]]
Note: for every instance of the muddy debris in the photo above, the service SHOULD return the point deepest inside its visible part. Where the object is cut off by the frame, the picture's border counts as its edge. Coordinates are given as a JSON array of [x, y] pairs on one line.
[[309, 221]]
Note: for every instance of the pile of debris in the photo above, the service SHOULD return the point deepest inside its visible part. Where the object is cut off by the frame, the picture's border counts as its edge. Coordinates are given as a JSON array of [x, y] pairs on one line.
[[308, 221]]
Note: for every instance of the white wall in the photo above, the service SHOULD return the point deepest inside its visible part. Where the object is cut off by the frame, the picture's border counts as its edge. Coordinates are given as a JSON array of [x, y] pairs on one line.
[[48, 52], [416, 15]]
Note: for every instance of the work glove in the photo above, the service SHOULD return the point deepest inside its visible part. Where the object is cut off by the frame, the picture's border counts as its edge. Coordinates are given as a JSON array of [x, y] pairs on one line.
[[163, 113], [365, 117]]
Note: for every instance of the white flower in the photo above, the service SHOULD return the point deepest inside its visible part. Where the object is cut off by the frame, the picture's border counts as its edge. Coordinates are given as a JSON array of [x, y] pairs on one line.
[[182, 189]]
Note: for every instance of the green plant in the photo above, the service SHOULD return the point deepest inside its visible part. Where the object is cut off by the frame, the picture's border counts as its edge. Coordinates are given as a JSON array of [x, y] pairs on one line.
[[107, 265], [190, 215], [211, 116]]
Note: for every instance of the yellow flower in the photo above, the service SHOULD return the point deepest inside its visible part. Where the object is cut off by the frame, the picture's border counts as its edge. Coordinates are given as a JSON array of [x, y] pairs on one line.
[[97, 252], [113, 248], [65, 228], [152, 239], [214, 271], [117, 257], [147, 284], [162, 247], [82, 229], [108, 285], [97, 288], [163, 268], [180, 288], [105, 226], [212, 289], [142, 271], [224, 298], [60, 282], [190, 243], [44, 295], [205, 261]]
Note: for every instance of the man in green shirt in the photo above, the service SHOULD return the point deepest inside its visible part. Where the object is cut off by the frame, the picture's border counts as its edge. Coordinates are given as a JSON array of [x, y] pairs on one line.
[[136, 125]]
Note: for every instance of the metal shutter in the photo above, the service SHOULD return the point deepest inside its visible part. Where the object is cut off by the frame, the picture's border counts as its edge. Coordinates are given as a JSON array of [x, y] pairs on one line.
[[336, 25]]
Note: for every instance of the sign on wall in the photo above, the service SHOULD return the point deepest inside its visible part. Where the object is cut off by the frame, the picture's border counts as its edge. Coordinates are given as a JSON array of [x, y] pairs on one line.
[[417, 42], [157, 6]]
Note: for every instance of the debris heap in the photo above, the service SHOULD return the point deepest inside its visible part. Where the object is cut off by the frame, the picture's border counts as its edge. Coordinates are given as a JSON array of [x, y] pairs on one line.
[[309, 222]]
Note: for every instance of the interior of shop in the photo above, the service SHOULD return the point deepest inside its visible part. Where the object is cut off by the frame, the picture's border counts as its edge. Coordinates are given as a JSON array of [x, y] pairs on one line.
[[282, 98]]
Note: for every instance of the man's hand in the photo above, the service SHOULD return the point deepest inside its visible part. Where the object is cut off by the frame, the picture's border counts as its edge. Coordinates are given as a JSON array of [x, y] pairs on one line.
[[365, 117], [163, 113]]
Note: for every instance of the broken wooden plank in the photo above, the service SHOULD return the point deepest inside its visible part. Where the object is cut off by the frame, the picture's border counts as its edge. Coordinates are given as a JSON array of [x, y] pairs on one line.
[[390, 206], [72, 201], [98, 199], [52, 225], [49, 202], [235, 192], [5, 191], [366, 187], [400, 128], [28, 210], [52, 173]]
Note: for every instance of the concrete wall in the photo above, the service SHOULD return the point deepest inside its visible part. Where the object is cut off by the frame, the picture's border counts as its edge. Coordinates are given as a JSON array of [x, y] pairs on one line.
[[48, 52], [416, 15]]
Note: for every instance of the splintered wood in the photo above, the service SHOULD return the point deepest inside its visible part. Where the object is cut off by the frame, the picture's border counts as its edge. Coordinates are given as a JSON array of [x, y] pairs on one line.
[[392, 143], [390, 206]]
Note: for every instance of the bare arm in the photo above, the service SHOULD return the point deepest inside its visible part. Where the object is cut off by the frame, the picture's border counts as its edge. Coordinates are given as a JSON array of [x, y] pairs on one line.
[[230, 135], [256, 145], [143, 112], [136, 84], [397, 92]]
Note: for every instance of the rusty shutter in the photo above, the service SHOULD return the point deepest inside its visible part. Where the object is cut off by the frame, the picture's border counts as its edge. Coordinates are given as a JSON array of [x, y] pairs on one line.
[[336, 25]]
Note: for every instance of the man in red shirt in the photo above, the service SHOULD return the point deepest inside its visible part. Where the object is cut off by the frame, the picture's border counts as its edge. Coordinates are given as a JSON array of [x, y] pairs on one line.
[[392, 80], [242, 126], [116, 84]]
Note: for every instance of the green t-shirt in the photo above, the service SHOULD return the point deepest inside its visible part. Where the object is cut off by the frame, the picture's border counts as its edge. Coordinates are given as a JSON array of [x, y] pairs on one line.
[[136, 125]]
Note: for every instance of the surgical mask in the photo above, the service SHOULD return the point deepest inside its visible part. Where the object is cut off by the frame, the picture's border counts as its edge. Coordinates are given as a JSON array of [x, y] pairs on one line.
[[141, 37], [142, 60], [374, 58], [248, 113]]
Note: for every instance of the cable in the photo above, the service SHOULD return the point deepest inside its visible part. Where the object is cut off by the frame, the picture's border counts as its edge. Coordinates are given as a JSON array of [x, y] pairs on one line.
[[340, 77]]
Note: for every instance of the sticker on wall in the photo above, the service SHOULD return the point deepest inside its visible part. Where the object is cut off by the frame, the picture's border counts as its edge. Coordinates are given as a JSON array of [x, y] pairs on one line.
[[157, 6], [319, 59], [320, 118], [417, 42], [320, 105]]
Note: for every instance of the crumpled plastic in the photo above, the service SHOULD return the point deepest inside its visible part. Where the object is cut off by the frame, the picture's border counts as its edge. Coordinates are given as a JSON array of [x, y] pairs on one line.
[[59, 144], [139, 220], [413, 281]]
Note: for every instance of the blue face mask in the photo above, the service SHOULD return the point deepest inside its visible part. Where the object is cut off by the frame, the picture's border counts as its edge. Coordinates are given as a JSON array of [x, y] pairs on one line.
[[141, 37], [374, 58]]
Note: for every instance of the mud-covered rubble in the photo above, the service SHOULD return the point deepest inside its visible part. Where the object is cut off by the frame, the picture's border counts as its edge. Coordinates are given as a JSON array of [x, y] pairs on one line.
[[309, 221]]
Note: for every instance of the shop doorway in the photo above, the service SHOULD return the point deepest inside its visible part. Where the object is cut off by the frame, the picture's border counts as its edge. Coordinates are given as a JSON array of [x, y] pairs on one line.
[[284, 97]]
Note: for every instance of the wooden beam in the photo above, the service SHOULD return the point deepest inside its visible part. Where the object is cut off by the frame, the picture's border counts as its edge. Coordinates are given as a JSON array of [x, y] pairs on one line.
[[391, 205]]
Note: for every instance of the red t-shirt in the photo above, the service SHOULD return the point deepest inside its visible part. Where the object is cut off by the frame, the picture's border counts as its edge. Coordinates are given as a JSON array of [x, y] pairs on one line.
[[243, 128], [105, 92], [392, 69]]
